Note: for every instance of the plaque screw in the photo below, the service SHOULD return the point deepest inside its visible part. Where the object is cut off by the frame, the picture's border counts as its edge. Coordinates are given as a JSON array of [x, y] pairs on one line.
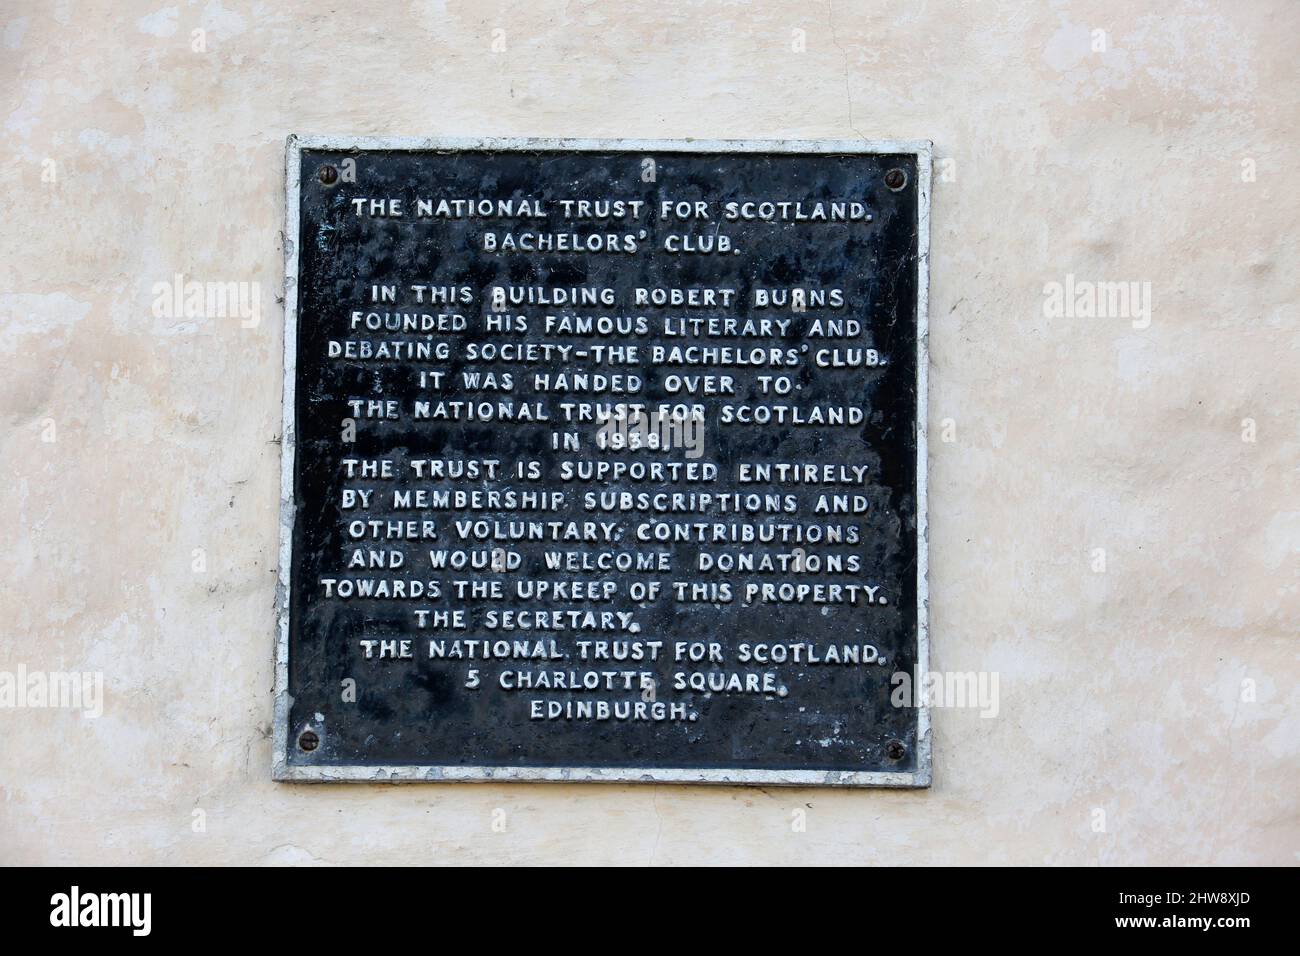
[[894, 750], [328, 175], [308, 740], [895, 179]]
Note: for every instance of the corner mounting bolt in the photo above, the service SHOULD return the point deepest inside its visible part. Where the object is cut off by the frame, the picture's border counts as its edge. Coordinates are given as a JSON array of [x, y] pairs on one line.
[[895, 179], [308, 740], [895, 750], [328, 175]]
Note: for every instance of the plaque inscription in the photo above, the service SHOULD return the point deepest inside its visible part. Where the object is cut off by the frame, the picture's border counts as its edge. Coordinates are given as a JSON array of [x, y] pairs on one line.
[[604, 461]]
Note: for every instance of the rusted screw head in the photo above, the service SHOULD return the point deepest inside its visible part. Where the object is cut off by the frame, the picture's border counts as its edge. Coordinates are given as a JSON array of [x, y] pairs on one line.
[[895, 750], [308, 740], [895, 179], [328, 175]]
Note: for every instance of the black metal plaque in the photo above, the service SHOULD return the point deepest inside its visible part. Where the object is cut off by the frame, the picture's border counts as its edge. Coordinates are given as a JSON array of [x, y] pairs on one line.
[[604, 461]]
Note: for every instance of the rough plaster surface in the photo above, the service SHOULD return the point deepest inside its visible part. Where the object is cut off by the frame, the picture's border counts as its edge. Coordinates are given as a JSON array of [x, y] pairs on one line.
[[1162, 690]]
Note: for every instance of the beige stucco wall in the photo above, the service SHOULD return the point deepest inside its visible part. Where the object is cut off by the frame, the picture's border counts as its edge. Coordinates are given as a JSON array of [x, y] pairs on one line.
[[1161, 691]]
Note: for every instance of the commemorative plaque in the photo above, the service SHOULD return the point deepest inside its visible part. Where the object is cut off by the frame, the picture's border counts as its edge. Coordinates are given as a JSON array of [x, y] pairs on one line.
[[604, 461]]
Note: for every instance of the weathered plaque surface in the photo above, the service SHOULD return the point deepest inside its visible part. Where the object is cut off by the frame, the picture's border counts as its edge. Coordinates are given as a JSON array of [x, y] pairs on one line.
[[604, 461]]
